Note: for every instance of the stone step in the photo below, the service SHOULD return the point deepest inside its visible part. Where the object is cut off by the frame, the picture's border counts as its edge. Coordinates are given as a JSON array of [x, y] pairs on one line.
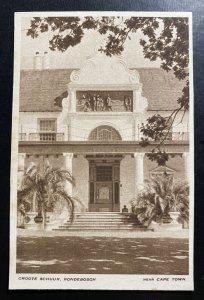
[[114, 219], [105, 217], [101, 213], [95, 221], [102, 221], [101, 225], [99, 229]]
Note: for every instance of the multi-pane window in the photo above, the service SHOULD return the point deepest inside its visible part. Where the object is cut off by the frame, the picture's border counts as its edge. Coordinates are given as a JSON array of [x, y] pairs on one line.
[[47, 128], [104, 173], [104, 133]]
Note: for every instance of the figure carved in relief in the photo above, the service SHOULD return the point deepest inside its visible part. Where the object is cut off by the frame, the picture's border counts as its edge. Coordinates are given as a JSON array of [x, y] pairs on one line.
[[98, 99], [82, 100], [128, 103], [94, 103], [109, 103], [87, 105], [100, 104]]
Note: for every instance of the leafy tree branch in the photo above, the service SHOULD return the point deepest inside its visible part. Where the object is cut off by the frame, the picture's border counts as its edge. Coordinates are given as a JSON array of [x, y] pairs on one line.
[[165, 39]]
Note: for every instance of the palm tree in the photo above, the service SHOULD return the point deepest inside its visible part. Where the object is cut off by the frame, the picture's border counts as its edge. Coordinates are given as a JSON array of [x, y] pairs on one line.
[[48, 187], [161, 195]]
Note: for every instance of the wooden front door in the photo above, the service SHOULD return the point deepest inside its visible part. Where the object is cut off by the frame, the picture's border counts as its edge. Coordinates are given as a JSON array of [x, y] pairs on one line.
[[104, 196], [104, 187]]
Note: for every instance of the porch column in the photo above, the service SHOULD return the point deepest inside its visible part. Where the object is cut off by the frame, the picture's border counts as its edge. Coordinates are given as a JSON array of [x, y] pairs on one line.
[[68, 166], [21, 168], [67, 133], [186, 156], [72, 99], [136, 130], [70, 129], [137, 97], [139, 171]]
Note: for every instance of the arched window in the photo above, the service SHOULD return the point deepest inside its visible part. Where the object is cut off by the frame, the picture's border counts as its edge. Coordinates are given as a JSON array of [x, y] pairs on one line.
[[104, 133]]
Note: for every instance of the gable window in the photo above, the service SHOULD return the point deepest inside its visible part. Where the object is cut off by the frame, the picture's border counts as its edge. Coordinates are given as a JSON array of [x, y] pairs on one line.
[[161, 170], [47, 129]]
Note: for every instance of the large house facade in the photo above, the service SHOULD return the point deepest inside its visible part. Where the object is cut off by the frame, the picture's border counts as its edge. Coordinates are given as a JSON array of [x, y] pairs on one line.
[[88, 122]]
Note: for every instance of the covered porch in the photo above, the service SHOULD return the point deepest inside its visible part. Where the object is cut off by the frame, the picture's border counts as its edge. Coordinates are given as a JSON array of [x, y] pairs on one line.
[[108, 175]]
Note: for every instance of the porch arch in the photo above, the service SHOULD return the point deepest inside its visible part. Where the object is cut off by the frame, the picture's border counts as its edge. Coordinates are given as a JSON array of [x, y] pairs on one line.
[[104, 133]]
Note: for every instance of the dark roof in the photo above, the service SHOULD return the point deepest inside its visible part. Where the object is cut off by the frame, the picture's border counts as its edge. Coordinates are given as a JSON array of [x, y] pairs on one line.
[[41, 90]]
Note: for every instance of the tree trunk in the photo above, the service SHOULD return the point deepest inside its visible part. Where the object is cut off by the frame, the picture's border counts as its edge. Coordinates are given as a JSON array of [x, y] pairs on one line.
[[44, 217]]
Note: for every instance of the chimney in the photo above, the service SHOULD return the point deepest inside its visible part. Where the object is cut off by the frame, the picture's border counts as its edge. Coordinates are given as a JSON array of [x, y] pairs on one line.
[[45, 61], [37, 61]]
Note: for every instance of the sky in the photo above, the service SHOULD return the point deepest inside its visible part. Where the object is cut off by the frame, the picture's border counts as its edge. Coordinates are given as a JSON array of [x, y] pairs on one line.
[[76, 56]]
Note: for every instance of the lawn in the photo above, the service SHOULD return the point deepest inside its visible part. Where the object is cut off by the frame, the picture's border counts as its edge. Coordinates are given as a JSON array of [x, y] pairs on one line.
[[102, 255]]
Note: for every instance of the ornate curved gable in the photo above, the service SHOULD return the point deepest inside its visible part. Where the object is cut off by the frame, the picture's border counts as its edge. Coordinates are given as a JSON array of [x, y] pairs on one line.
[[100, 74], [101, 69]]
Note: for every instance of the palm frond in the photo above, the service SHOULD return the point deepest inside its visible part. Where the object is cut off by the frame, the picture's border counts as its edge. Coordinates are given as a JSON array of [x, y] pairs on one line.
[[48, 184], [57, 175], [159, 196], [70, 202], [25, 191], [32, 169]]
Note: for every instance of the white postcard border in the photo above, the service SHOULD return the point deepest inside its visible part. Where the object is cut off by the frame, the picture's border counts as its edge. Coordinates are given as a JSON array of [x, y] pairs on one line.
[[101, 282]]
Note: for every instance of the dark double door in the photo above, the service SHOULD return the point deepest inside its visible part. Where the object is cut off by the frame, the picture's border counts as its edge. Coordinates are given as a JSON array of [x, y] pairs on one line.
[[104, 187]]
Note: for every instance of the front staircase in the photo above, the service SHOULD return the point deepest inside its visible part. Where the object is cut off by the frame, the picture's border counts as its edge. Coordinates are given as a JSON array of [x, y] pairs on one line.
[[103, 221]]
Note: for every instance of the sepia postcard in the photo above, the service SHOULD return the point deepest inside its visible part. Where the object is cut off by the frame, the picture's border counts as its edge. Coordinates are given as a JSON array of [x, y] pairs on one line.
[[102, 162]]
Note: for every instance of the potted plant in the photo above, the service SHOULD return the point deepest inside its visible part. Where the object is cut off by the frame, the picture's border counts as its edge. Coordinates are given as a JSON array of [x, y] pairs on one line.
[[180, 207], [159, 198], [48, 186]]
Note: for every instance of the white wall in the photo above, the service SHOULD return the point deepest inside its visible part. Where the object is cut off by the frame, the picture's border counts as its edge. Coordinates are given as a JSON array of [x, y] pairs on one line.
[[127, 181], [80, 125], [28, 121], [128, 124], [80, 171]]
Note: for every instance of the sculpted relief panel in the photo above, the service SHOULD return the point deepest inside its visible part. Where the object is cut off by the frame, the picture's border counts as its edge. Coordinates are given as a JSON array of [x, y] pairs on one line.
[[99, 101]]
